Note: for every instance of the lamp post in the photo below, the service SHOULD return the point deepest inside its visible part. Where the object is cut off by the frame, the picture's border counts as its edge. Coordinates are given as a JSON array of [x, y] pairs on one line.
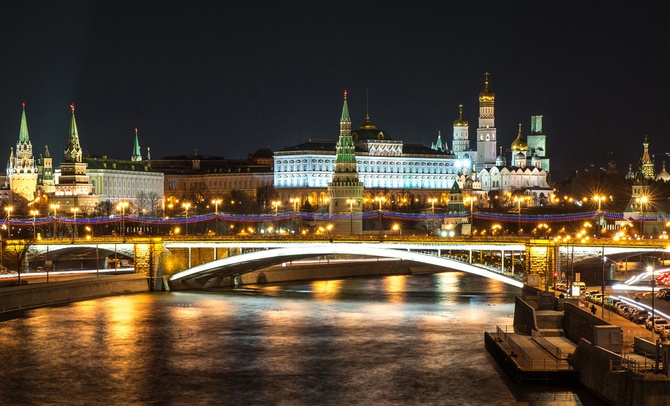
[[295, 201], [9, 209], [351, 214], [275, 205], [122, 207], [74, 224], [216, 203], [380, 199], [472, 208], [602, 303], [432, 201], [54, 207], [186, 206], [599, 199], [653, 309], [34, 213], [642, 200]]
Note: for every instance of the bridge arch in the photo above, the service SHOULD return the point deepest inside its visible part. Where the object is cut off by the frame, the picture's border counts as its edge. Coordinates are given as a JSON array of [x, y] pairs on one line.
[[249, 262]]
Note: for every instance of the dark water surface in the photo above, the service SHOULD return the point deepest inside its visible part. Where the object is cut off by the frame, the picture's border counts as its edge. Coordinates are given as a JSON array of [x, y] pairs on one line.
[[400, 340]]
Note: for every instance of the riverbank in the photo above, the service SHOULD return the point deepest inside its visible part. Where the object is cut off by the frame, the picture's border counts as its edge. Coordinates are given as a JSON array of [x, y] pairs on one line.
[[47, 294], [553, 340]]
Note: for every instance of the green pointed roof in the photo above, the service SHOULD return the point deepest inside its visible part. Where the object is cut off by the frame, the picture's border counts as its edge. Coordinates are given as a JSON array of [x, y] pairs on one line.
[[137, 153], [23, 132], [455, 188], [345, 109], [46, 152], [73, 150], [73, 135]]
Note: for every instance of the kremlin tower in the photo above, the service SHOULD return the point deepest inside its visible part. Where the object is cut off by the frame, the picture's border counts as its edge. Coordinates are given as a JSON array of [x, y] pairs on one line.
[[346, 189], [21, 168], [73, 180]]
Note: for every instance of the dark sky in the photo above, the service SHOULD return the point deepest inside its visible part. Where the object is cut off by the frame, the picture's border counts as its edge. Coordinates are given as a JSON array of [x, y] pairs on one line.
[[229, 77]]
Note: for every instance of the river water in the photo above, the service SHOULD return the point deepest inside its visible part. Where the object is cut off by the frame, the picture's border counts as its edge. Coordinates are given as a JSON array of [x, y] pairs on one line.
[[399, 340]]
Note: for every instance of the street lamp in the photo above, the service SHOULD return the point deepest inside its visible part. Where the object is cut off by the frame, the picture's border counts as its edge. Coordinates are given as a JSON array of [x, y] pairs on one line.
[[54, 207], [276, 204], [650, 269], [600, 199], [432, 201], [380, 199], [518, 200], [295, 201], [9, 209], [122, 207], [642, 200], [34, 213], [74, 224], [472, 201], [216, 203], [186, 206]]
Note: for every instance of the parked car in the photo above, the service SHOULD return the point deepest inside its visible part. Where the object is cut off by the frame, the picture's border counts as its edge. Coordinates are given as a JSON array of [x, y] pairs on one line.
[[588, 294], [659, 325], [640, 316], [665, 331], [647, 323], [612, 303]]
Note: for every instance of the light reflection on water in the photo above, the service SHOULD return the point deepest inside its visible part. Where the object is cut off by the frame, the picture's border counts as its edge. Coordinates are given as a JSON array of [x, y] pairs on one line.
[[392, 341]]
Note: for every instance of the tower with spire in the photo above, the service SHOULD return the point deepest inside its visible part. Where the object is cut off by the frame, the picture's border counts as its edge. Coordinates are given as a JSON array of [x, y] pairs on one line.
[[486, 132], [461, 141], [346, 190], [21, 167], [519, 150], [646, 165], [137, 153], [45, 180], [73, 180]]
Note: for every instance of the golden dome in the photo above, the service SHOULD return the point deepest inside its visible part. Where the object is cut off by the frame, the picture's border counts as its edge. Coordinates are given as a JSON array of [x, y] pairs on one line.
[[519, 144], [460, 122], [486, 94]]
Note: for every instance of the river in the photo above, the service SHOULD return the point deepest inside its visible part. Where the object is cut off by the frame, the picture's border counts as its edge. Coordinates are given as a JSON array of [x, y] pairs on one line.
[[398, 340]]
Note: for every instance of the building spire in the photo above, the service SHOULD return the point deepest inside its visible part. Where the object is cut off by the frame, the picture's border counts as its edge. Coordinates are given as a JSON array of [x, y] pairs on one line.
[[137, 153], [73, 150], [23, 132], [345, 119]]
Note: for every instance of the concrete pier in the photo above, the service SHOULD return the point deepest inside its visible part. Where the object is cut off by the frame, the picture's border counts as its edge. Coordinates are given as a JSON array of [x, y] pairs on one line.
[[611, 357]]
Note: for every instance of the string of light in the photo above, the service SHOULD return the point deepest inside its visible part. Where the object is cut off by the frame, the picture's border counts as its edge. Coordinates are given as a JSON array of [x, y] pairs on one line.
[[260, 218]]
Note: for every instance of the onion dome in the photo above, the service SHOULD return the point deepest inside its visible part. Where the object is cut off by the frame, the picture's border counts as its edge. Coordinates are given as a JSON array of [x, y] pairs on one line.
[[663, 175], [519, 144], [486, 95], [369, 131], [500, 159], [460, 122]]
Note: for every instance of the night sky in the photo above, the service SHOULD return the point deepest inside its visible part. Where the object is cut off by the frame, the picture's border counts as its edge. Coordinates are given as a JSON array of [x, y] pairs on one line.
[[230, 77]]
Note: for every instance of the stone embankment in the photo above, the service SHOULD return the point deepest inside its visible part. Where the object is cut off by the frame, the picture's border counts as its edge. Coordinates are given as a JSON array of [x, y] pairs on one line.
[[45, 294]]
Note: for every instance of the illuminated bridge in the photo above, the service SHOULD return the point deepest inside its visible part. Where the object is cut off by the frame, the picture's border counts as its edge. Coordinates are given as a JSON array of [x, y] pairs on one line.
[[204, 262]]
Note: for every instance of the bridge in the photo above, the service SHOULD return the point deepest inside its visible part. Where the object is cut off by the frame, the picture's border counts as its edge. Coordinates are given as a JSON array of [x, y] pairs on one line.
[[201, 262]]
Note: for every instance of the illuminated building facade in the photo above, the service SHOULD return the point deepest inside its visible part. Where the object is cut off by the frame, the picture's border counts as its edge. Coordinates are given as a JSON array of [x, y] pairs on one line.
[[407, 171]]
